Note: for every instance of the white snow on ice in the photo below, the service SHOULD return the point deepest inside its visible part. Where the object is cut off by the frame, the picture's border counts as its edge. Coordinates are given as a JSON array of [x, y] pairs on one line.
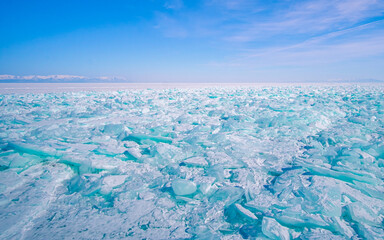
[[193, 163]]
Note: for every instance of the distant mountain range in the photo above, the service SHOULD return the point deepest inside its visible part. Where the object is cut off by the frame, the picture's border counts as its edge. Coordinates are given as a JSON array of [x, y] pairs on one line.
[[59, 79]]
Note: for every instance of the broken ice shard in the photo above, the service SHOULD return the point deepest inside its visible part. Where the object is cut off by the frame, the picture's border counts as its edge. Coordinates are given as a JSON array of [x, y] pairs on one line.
[[183, 187]]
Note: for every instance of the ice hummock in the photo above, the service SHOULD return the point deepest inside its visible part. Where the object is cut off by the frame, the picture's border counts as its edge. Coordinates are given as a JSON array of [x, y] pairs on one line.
[[208, 163]]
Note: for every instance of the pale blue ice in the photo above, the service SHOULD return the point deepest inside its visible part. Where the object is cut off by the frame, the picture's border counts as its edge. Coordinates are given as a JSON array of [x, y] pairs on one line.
[[209, 163]]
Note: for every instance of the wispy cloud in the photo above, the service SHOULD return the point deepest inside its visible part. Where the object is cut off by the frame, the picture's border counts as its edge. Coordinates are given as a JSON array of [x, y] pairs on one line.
[[285, 32], [308, 18], [174, 4], [251, 20], [359, 32], [319, 53], [348, 44]]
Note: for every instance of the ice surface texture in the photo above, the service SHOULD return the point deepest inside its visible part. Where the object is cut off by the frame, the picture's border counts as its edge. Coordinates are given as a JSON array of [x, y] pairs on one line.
[[278, 163]]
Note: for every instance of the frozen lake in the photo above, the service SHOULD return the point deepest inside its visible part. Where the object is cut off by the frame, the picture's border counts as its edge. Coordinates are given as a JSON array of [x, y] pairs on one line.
[[11, 88], [6, 88], [187, 161]]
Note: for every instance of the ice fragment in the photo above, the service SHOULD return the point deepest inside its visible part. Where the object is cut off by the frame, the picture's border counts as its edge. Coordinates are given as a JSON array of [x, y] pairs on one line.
[[183, 187]]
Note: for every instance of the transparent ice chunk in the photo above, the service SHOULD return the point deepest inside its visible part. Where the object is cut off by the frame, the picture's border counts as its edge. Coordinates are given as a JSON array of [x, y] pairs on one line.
[[183, 187], [358, 212], [196, 162], [272, 229]]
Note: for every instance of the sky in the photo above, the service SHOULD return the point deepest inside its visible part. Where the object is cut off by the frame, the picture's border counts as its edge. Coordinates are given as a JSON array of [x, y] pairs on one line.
[[192, 41]]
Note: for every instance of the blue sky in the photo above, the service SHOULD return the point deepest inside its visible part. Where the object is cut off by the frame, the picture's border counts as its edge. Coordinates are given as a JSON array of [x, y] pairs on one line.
[[193, 41]]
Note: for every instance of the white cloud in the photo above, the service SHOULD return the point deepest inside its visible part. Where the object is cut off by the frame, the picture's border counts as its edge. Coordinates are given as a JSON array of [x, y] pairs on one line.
[[246, 21], [310, 17], [174, 4], [299, 33], [362, 41]]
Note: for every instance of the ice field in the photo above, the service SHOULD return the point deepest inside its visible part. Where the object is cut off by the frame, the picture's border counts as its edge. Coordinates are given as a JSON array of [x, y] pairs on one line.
[[204, 163]]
